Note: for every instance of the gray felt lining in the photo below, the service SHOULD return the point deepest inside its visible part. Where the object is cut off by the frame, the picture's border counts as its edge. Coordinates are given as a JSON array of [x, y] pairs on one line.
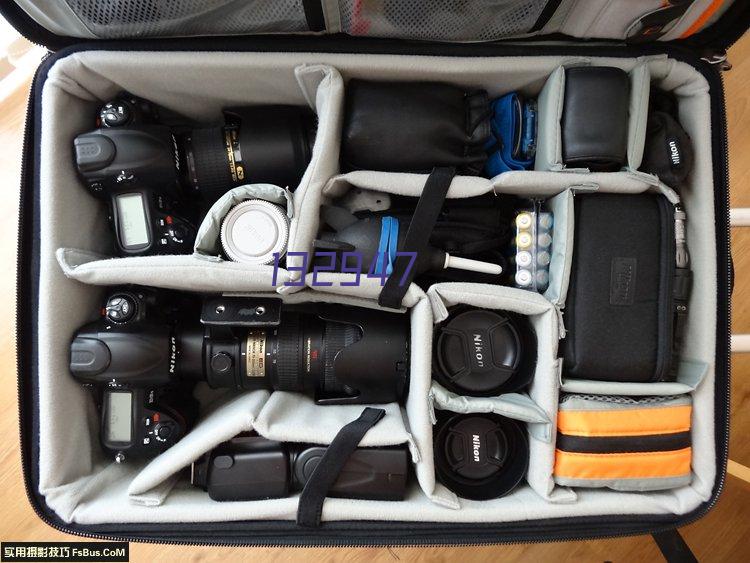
[[80, 485]]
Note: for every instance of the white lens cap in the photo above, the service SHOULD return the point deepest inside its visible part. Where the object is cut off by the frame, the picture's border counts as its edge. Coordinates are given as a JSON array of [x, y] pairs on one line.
[[253, 231]]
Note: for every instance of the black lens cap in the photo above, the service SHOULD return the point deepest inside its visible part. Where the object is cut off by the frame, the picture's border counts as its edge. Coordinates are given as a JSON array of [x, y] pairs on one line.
[[480, 456], [481, 352]]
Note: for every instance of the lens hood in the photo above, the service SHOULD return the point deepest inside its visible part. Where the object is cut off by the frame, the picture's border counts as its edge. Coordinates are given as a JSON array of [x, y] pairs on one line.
[[480, 456], [483, 353]]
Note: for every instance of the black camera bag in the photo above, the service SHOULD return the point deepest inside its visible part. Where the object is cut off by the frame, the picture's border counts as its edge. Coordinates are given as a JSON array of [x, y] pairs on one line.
[[198, 60]]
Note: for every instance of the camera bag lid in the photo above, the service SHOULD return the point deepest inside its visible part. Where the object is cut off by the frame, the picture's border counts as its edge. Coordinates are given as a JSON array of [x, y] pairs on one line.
[[704, 28]]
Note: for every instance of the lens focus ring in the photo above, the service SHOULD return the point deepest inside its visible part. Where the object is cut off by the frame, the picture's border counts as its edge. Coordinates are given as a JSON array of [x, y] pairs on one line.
[[212, 174], [337, 337], [290, 374]]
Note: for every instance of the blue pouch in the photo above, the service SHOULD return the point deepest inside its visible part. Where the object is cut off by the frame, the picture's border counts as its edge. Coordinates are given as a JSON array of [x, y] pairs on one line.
[[513, 138]]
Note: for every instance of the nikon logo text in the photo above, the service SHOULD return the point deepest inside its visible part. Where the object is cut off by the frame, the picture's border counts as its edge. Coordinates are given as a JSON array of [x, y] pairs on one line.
[[674, 153], [622, 281], [478, 350], [476, 444], [172, 355]]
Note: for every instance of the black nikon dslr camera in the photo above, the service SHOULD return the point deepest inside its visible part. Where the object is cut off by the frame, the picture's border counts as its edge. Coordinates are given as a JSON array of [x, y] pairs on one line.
[[127, 357], [161, 172], [151, 345]]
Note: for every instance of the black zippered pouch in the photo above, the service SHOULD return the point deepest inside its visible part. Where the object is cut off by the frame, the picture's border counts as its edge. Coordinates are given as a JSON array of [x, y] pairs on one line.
[[618, 313], [364, 528]]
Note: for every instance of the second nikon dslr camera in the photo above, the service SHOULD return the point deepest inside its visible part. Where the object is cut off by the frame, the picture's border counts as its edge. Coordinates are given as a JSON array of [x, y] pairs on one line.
[[147, 342], [161, 171]]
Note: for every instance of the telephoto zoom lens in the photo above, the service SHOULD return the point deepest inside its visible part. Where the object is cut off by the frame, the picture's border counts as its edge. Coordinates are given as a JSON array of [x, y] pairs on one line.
[[270, 144], [340, 356]]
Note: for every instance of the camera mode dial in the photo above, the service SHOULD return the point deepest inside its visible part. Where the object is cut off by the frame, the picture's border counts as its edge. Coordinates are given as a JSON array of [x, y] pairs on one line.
[[121, 308], [163, 430], [116, 113]]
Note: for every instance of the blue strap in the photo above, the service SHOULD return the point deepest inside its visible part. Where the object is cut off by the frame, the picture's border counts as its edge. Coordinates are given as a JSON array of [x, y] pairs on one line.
[[504, 123], [385, 233], [392, 245], [387, 245]]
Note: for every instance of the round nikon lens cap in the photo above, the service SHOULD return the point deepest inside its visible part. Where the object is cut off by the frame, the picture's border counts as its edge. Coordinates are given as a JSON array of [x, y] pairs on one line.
[[480, 456], [253, 231], [481, 352]]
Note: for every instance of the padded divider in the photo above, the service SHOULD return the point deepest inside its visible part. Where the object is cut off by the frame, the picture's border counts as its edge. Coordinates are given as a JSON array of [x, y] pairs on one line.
[[208, 238], [184, 272], [543, 390], [418, 408], [517, 406], [550, 108], [338, 283], [640, 88], [561, 260], [400, 183], [549, 183], [227, 419], [291, 417], [324, 89], [690, 374]]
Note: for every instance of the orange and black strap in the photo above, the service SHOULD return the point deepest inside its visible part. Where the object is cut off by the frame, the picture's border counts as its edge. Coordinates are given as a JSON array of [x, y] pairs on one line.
[[615, 444], [629, 443], [625, 422], [622, 465]]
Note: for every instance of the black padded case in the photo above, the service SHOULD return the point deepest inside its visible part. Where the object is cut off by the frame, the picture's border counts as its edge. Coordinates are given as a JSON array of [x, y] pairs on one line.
[[619, 306]]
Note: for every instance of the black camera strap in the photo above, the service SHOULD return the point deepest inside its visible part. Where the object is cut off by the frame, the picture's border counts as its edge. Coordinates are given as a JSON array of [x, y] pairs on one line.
[[333, 461], [418, 235]]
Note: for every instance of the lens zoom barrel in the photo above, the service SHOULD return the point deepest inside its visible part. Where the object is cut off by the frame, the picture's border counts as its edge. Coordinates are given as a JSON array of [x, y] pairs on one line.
[[337, 337], [288, 374], [208, 163]]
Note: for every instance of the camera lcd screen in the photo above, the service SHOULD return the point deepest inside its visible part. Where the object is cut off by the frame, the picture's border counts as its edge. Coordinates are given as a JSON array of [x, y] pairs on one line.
[[131, 219], [119, 417]]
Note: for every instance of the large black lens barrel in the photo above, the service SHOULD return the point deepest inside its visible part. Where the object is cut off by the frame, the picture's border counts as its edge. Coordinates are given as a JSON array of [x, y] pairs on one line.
[[269, 144], [207, 163], [297, 352], [339, 355], [337, 337]]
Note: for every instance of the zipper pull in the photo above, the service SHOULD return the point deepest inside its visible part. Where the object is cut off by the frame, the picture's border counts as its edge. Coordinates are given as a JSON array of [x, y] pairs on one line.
[[682, 258], [718, 57], [560, 322], [431, 407]]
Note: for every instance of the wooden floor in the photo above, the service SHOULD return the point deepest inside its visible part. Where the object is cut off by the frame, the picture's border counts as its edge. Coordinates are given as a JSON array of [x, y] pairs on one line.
[[720, 536]]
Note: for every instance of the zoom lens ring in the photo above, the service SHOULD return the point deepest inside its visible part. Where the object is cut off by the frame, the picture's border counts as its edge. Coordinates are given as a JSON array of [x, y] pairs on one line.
[[290, 374], [212, 172], [337, 337]]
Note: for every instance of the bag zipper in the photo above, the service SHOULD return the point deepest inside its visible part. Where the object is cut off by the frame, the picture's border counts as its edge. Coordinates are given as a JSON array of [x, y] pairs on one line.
[[391, 533], [666, 311]]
